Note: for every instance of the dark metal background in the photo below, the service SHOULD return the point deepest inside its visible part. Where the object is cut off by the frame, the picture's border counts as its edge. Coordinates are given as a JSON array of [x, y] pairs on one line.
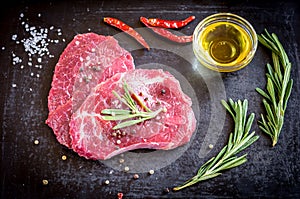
[[269, 173]]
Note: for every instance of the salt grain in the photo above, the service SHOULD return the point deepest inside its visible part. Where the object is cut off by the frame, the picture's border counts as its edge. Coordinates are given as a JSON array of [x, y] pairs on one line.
[[16, 59], [14, 37], [126, 169], [151, 172]]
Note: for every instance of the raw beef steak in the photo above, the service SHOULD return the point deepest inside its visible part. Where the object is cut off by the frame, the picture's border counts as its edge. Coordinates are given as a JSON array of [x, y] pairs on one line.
[[87, 60], [94, 138]]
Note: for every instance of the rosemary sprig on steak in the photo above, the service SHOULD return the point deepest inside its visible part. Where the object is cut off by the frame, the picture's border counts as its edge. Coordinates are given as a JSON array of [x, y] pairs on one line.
[[238, 141], [278, 89], [132, 116]]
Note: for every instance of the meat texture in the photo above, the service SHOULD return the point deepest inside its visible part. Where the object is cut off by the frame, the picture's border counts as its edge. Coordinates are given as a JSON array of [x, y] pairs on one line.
[[94, 138], [88, 60]]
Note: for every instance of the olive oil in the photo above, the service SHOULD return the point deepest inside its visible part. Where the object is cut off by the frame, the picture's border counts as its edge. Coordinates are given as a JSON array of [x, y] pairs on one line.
[[226, 43]]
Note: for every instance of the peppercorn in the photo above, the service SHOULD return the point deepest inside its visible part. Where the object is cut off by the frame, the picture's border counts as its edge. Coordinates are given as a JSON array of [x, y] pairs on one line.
[[151, 172], [45, 182], [166, 190], [126, 169], [63, 157], [136, 176]]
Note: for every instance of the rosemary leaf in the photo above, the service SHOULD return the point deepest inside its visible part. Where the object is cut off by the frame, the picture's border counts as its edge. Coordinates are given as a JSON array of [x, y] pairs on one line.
[[263, 93], [121, 99], [277, 70], [208, 176], [239, 140], [230, 143], [227, 107], [115, 112], [217, 158], [279, 87], [288, 93], [117, 117], [249, 124], [130, 123], [205, 166], [234, 162]]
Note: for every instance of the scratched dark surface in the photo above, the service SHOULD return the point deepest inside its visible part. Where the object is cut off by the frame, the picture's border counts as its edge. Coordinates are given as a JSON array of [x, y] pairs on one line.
[[269, 172]]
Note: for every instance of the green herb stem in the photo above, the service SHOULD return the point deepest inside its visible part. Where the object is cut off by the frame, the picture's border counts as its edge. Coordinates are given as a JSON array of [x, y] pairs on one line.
[[239, 140], [278, 88], [132, 116]]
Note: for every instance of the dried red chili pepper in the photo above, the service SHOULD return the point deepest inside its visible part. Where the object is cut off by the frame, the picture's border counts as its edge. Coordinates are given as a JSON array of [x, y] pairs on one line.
[[127, 29], [170, 23], [120, 195], [167, 34]]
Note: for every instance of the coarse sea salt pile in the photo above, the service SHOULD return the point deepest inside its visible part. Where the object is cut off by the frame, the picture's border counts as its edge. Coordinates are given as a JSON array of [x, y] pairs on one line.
[[35, 41]]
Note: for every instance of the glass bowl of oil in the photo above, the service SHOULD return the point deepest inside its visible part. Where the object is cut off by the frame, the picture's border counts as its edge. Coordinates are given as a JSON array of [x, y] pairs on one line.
[[224, 42]]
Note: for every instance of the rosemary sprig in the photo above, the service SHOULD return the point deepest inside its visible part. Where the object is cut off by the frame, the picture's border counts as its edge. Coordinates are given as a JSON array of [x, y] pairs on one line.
[[134, 114], [279, 86], [238, 141]]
